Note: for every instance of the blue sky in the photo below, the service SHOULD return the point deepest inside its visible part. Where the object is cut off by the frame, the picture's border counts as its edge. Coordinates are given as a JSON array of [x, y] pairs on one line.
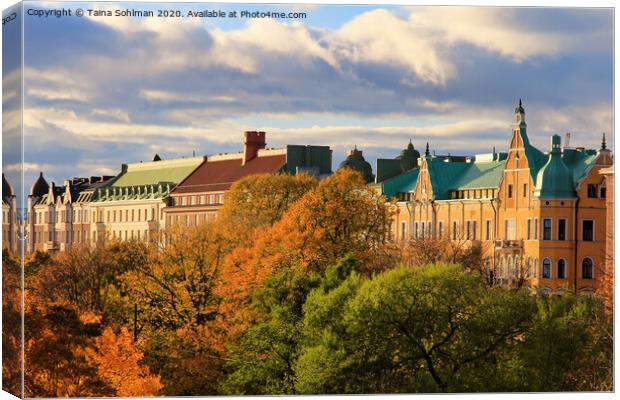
[[105, 91]]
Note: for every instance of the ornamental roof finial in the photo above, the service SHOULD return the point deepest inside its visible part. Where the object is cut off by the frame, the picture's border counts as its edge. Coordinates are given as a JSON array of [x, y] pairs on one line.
[[427, 151], [604, 142]]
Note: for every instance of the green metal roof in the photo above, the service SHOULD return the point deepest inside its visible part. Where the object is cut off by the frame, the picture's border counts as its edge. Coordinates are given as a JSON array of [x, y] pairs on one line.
[[555, 180], [481, 175], [536, 159], [402, 183], [151, 173], [579, 163], [444, 175]]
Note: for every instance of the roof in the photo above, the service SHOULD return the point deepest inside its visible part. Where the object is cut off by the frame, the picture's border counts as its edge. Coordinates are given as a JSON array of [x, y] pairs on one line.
[[555, 180], [219, 175], [39, 187], [481, 175], [402, 183], [155, 172], [7, 190], [444, 174], [578, 162]]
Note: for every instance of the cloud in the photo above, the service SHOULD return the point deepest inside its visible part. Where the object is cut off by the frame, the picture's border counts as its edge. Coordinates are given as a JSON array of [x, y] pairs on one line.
[[446, 75]]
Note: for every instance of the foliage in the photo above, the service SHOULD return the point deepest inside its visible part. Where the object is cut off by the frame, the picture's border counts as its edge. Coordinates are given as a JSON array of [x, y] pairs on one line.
[[118, 364], [11, 324], [411, 330], [56, 364], [263, 360]]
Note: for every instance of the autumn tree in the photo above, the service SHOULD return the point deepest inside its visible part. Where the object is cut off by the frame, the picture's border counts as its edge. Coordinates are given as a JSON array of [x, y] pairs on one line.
[[118, 360], [55, 354], [11, 324], [259, 201], [341, 215]]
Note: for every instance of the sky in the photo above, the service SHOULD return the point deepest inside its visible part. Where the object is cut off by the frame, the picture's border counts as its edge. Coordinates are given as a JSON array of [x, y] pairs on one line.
[[102, 91]]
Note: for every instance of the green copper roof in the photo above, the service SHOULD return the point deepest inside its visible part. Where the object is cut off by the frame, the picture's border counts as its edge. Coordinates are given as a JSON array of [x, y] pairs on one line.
[[555, 180], [481, 176], [402, 183], [444, 175], [151, 173], [578, 162], [536, 159]]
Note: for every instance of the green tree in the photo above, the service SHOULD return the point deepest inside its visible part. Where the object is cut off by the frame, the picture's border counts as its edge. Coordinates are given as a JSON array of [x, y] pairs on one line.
[[262, 362], [409, 330]]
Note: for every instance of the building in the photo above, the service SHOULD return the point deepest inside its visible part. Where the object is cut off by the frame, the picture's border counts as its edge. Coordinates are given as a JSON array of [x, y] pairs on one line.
[[539, 217], [200, 195], [355, 160], [131, 206], [58, 215], [10, 225]]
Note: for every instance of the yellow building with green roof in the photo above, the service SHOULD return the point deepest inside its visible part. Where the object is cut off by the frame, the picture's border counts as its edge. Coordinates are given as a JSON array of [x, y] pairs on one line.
[[131, 206], [539, 217]]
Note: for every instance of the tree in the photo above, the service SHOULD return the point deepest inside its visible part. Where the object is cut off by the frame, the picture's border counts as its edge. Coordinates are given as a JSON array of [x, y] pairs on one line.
[[259, 201], [262, 362], [177, 308], [55, 354], [339, 216], [11, 324], [409, 330], [118, 362]]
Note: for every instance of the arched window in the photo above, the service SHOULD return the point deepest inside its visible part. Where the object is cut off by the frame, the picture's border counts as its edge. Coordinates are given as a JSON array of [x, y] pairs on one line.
[[587, 268], [546, 268], [561, 269]]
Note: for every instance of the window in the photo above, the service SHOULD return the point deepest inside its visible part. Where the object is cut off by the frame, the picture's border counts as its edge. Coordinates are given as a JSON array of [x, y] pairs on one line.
[[525, 190], [602, 192], [588, 230], [488, 230], [561, 269], [546, 268], [402, 230], [591, 191], [561, 229], [455, 226], [510, 191], [535, 228], [422, 228], [528, 231], [473, 230], [415, 230], [429, 229], [440, 230], [546, 229], [509, 229], [468, 230], [587, 268]]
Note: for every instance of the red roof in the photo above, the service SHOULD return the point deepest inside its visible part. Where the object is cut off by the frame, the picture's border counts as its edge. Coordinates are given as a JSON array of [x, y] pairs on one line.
[[219, 175]]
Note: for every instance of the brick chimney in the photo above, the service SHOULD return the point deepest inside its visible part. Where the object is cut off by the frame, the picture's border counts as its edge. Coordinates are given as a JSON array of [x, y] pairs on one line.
[[254, 141]]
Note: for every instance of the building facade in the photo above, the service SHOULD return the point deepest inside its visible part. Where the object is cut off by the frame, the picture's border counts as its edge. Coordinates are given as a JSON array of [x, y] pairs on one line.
[[58, 215], [539, 217], [131, 206], [198, 198], [10, 225]]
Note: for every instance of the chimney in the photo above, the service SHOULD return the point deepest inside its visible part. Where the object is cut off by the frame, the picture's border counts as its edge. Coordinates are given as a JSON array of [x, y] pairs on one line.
[[254, 141]]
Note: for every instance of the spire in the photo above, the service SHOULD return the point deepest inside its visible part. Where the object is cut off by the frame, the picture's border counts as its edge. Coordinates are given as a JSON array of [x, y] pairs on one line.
[[604, 142], [427, 151], [157, 157]]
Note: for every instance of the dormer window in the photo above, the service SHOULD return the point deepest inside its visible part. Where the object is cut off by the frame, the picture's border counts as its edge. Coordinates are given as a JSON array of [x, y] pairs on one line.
[[592, 191]]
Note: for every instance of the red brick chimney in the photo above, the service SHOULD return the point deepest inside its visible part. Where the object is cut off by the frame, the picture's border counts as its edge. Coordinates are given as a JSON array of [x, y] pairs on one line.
[[254, 141]]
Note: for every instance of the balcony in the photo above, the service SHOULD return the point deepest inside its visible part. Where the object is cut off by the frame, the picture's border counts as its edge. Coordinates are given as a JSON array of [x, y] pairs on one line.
[[509, 244]]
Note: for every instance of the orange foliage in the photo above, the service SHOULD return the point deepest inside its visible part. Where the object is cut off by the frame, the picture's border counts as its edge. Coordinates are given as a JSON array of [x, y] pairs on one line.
[[339, 216], [118, 363]]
